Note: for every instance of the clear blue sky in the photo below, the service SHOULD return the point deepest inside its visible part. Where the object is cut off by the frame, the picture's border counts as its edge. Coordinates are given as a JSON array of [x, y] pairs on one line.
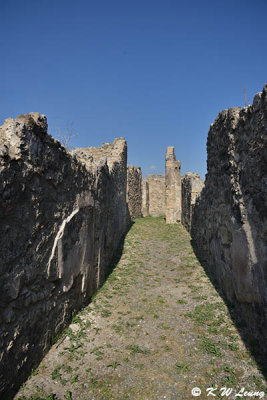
[[156, 72]]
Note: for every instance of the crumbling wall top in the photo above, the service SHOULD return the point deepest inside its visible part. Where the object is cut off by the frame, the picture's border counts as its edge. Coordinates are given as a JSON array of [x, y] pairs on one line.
[[109, 153], [170, 154], [155, 176], [16, 135]]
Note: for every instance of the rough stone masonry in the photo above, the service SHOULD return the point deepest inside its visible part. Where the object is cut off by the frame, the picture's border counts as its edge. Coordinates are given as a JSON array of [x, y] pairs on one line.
[[153, 196], [229, 223], [173, 187], [134, 191], [62, 217], [192, 186], [171, 195]]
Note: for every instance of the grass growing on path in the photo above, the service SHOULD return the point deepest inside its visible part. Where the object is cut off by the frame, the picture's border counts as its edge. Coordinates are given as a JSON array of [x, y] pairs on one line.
[[156, 329]]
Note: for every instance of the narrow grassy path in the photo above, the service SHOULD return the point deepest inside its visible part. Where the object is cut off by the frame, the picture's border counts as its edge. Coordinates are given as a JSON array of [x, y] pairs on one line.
[[156, 329]]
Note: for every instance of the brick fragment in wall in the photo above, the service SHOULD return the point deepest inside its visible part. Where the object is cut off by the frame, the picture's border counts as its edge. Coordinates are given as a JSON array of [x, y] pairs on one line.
[[62, 217]]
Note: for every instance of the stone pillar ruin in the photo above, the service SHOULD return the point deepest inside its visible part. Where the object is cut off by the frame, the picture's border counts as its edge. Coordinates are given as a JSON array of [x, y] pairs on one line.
[[134, 191], [173, 187], [145, 198], [192, 186]]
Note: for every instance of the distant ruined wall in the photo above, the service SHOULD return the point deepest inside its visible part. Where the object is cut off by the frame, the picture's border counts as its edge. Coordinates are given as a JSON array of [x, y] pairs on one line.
[[154, 197], [173, 187], [161, 194], [62, 216], [134, 191], [230, 219], [192, 185]]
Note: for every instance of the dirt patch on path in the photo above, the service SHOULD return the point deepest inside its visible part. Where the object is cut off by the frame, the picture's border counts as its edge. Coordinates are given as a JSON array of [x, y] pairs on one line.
[[155, 330]]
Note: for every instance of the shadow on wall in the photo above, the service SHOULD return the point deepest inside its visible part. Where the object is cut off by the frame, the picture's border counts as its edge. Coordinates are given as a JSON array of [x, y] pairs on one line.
[[244, 330], [229, 223], [62, 217], [114, 261], [118, 253]]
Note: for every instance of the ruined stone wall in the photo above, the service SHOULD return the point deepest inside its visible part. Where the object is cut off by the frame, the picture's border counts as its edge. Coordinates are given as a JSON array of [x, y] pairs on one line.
[[155, 196], [145, 198], [161, 194], [192, 185], [61, 218], [230, 219], [108, 152], [173, 187], [134, 191]]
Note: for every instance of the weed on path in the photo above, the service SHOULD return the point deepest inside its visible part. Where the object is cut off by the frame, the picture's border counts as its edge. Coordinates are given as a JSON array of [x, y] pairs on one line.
[[155, 330]]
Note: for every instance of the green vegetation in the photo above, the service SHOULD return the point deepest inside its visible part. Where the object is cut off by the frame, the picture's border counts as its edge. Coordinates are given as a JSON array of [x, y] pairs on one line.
[[210, 347], [181, 301], [182, 367], [136, 349], [155, 324], [114, 364]]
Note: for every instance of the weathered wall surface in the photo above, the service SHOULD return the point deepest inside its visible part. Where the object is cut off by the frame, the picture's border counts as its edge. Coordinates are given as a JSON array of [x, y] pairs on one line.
[[173, 187], [61, 218], [192, 185], [230, 218], [145, 198], [134, 191], [155, 196]]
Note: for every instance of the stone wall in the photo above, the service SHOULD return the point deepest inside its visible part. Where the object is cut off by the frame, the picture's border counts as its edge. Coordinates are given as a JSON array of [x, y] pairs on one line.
[[62, 216], [153, 199], [192, 185], [134, 191], [173, 187], [229, 222], [145, 198]]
